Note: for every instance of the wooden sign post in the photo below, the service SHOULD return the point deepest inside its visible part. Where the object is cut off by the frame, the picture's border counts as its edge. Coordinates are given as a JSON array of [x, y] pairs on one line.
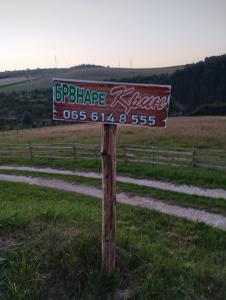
[[108, 153], [110, 103]]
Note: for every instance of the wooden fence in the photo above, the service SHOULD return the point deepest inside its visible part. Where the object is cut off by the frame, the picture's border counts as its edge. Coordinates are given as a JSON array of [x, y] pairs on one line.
[[178, 157]]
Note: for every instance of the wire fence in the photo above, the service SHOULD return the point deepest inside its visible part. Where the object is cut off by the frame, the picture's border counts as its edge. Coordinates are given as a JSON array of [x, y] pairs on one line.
[[176, 157]]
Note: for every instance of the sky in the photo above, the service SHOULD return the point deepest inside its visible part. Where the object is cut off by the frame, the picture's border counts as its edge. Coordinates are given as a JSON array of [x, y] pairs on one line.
[[125, 33]]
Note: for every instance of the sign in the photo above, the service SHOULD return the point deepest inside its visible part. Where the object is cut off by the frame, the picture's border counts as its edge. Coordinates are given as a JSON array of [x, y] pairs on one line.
[[111, 103]]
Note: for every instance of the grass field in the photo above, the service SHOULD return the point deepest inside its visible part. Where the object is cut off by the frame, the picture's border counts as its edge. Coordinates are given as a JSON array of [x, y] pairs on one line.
[[189, 132], [50, 242], [50, 246]]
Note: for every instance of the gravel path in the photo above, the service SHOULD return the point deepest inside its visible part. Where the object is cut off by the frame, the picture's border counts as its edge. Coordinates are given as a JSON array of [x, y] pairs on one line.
[[211, 219], [191, 190]]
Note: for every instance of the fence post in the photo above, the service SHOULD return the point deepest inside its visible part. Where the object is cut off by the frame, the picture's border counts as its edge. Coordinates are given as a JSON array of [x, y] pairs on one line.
[[74, 151], [97, 154], [30, 150], [193, 157], [153, 157], [124, 155]]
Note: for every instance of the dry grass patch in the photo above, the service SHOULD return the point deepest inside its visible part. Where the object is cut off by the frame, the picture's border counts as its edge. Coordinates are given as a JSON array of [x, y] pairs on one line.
[[207, 132]]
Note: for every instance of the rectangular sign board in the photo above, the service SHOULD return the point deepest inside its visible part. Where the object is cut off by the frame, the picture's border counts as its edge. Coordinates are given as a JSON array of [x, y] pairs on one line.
[[110, 102]]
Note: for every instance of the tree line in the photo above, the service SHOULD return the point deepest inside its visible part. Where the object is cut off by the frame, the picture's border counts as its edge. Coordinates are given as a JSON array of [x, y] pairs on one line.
[[198, 89]]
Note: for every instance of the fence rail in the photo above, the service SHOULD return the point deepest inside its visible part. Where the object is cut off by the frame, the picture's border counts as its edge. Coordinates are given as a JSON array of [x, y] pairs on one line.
[[202, 158]]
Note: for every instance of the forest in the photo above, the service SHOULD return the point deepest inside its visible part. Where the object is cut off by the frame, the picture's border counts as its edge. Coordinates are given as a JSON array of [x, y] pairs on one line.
[[198, 89]]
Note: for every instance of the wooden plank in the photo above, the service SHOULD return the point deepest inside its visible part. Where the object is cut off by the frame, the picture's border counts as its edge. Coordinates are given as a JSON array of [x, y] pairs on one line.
[[50, 147], [156, 162], [108, 152], [214, 167], [154, 147], [14, 151], [89, 158], [11, 148], [56, 157], [72, 144], [205, 156], [65, 147], [13, 145], [158, 157], [212, 162], [160, 151], [47, 151], [87, 146], [212, 151], [92, 154], [8, 156], [179, 159]]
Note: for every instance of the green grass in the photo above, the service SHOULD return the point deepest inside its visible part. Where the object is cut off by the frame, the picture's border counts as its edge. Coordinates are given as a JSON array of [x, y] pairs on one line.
[[57, 250], [170, 197], [196, 176]]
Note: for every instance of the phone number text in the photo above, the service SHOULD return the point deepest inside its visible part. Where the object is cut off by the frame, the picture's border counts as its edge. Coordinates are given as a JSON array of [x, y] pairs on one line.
[[109, 117]]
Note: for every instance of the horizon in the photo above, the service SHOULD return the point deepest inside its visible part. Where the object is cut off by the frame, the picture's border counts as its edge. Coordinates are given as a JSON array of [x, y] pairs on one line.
[[107, 66]]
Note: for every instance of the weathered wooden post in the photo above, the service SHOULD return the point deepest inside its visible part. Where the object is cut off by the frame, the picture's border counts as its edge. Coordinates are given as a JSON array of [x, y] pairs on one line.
[[30, 151], [193, 158], [108, 153], [124, 154], [74, 152], [97, 154]]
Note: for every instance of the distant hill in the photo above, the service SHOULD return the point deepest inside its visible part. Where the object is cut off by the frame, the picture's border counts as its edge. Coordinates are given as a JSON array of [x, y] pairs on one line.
[[197, 89], [42, 78]]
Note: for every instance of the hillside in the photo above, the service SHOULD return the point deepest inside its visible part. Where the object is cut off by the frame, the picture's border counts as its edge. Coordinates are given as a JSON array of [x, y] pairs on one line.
[[42, 78]]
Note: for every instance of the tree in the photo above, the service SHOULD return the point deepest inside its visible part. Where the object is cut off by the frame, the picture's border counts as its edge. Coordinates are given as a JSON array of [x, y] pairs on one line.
[[2, 123], [27, 119]]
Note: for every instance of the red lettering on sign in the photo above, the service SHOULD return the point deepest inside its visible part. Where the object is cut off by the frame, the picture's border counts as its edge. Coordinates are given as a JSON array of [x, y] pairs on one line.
[[130, 99]]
